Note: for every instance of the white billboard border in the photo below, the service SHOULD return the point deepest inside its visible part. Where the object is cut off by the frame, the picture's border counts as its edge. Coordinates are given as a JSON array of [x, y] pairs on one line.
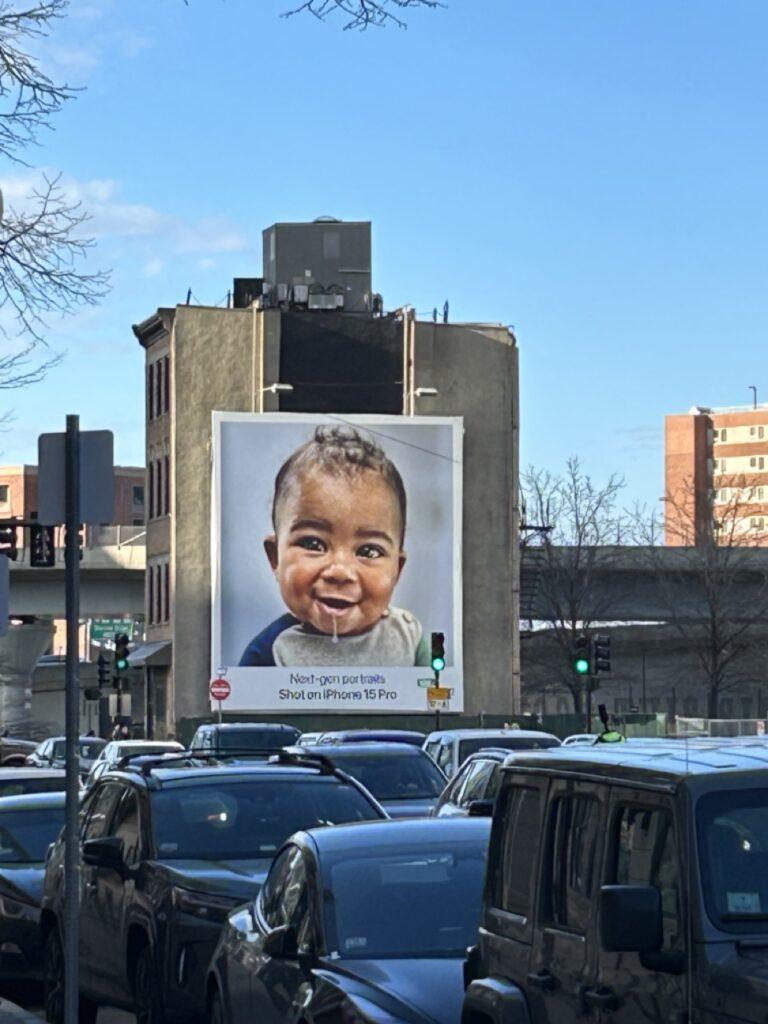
[[369, 420]]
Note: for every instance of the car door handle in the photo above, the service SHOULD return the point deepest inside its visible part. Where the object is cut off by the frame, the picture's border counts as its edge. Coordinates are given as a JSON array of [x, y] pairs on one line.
[[542, 980], [602, 999]]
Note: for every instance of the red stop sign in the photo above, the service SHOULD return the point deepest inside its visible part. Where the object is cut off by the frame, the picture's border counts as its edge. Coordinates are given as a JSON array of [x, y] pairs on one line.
[[220, 689]]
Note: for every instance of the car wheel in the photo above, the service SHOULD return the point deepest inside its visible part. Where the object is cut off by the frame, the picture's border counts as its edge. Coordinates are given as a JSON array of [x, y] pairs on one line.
[[147, 1000], [216, 1013], [53, 985], [53, 978]]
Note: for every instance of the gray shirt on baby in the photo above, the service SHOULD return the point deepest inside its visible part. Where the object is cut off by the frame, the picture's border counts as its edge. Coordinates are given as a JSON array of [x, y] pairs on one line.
[[393, 641]]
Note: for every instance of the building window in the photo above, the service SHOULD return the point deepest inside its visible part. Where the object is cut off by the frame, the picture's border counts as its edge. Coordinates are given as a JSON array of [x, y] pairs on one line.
[[5, 494], [759, 493], [716, 435], [159, 388], [166, 486], [151, 475], [167, 385], [138, 495], [137, 521], [151, 595], [166, 591], [723, 434], [761, 432], [150, 391], [159, 485], [752, 431]]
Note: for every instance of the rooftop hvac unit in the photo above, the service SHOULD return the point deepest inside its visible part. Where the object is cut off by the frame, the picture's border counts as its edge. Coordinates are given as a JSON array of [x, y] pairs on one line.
[[301, 294], [319, 300]]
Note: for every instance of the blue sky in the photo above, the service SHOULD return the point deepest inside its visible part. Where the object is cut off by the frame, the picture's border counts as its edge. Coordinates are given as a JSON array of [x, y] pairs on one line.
[[591, 171]]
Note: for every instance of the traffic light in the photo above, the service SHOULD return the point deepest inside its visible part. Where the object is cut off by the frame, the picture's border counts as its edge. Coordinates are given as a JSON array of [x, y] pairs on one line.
[[437, 660], [581, 660], [602, 653], [121, 652], [103, 670], [80, 540], [8, 541], [42, 546]]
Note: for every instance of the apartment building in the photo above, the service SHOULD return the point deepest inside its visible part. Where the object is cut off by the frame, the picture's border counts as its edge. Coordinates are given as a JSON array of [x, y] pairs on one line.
[[716, 475], [18, 493]]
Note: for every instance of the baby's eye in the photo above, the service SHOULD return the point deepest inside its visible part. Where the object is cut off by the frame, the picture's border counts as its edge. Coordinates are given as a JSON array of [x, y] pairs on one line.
[[370, 551], [311, 543]]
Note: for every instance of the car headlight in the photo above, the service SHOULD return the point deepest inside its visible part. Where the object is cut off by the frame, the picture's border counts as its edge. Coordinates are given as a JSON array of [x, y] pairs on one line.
[[205, 905], [356, 1010]]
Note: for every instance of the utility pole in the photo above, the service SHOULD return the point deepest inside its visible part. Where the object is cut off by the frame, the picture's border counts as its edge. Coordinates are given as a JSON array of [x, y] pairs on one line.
[[72, 719]]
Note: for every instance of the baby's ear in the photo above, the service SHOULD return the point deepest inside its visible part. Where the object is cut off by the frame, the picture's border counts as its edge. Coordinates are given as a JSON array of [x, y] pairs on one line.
[[270, 547]]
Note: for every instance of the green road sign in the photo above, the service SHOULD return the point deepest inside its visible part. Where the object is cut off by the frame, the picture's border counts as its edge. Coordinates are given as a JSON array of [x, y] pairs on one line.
[[425, 682], [105, 629]]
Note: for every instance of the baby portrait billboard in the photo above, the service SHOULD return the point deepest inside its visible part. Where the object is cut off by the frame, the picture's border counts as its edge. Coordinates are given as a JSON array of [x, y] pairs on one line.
[[336, 548]]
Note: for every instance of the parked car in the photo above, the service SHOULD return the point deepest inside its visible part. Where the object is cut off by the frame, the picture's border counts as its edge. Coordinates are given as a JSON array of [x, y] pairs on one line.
[[404, 779], [51, 753], [451, 747], [579, 738], [242, 739], [361, 925], [167, 852], [473, 788], [416, 739], [14, 751], [626, 884], [116, 750], [28, 826], [18, 781], [307, 739]]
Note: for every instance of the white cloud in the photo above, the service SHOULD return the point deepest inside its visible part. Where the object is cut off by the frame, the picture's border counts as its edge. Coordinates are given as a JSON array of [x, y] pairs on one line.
[[112, 218], [206, 264], [153, 267]]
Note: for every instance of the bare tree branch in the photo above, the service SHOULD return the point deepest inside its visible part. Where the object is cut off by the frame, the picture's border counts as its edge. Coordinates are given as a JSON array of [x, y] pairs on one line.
[[39, 255], [28, 97], [586, 526], [716, 596], [361, 14]]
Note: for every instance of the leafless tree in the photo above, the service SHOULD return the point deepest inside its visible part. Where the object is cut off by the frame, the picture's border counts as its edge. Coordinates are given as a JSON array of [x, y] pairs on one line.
[[362, 14], [42, 244], [712, 580], [583, 527]]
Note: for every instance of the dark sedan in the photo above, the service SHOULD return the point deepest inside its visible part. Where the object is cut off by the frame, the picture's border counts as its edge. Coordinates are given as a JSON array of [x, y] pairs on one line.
[[403, 778], [360, 924], [416, 739], [28, 825]]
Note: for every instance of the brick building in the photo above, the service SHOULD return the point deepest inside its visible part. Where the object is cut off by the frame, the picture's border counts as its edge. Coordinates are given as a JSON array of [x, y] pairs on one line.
[[18, 493], [716, 475]]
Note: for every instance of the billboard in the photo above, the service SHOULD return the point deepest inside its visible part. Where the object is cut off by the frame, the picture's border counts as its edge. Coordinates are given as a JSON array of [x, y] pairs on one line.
[[336, 552]]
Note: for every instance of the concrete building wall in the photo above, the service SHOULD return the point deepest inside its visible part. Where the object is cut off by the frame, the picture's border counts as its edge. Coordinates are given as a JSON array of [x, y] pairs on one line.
[[475, 370], [223, 359]]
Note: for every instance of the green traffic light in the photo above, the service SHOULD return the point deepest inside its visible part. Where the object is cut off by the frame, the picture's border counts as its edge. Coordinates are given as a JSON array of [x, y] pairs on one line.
[[121, 664], [438, 664], [581, 666]]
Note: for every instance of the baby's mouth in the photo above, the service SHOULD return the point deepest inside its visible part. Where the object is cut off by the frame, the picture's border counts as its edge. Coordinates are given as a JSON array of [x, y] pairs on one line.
[[335, 606]]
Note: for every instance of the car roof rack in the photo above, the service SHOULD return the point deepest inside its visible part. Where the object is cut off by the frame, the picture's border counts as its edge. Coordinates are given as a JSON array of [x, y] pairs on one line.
[[301, 757], [150, 761]]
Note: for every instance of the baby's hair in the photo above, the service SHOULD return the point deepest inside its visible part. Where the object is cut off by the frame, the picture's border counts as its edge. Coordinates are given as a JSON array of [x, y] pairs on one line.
[[339, 449]]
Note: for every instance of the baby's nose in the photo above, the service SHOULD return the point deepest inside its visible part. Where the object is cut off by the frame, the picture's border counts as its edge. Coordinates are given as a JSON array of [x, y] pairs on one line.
[[340, 568]]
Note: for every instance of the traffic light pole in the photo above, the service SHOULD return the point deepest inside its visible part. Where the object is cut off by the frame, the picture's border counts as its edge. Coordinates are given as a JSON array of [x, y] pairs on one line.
[[72, 720]]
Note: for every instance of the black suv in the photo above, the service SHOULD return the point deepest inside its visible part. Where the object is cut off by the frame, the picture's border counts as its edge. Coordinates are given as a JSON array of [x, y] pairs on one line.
[[169, 847], [243, 739], [626, 884]]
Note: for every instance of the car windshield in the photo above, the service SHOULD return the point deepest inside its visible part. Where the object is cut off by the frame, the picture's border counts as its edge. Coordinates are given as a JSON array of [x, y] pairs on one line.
[[25, 835], [87, 750], [394, 776], [415, 901], [18, 787], [224, 820], [239, 740], [467, 747], [733, 849]]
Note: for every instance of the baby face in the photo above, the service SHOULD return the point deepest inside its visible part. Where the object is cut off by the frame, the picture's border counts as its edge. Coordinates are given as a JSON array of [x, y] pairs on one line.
[[336, 555]]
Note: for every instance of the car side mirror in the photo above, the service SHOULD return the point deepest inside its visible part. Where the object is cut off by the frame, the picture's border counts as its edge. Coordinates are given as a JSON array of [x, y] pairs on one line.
[[480, 808], [282, 943], [106, 852], [630, 918]]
